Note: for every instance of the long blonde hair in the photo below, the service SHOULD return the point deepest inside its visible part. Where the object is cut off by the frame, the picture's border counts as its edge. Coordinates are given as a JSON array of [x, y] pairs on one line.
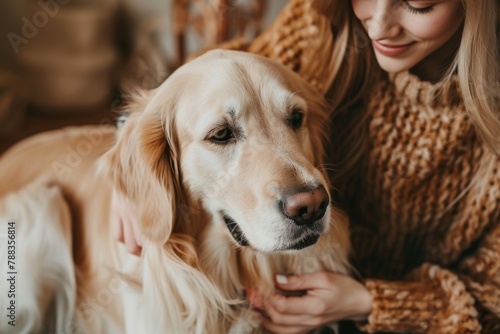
[[476, 64]]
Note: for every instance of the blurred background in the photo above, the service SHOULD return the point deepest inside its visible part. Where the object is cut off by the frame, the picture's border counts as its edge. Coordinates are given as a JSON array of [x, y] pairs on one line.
[[69, 62]]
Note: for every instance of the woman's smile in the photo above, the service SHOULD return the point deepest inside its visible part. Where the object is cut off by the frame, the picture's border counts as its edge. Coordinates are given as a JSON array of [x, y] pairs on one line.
[[391, 50]]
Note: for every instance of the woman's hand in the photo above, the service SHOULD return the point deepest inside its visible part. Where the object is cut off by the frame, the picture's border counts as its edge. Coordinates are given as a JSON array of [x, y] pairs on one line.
[[327, 298], [125, 223]]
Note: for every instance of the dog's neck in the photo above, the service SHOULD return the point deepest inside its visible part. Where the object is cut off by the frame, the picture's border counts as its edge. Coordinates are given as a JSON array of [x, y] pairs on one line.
[[235, 268], [207, 273]]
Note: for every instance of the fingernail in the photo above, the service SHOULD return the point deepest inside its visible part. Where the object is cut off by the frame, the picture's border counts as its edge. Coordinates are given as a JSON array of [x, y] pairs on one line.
[[281, 279]]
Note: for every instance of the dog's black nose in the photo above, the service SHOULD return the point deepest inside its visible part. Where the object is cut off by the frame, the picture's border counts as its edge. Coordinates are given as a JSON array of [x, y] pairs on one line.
[[305, 207]]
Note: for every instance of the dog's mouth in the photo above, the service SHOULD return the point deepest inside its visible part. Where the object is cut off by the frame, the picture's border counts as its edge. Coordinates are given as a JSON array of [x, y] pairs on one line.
[[235, 230], [239, 237]]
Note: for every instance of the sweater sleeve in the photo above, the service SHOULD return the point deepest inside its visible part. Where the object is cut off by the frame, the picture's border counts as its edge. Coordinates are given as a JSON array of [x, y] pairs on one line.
[[437, 300], [481, 274]]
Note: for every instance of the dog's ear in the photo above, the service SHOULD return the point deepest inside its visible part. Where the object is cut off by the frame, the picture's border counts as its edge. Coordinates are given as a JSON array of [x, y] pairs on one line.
[[143, 165]]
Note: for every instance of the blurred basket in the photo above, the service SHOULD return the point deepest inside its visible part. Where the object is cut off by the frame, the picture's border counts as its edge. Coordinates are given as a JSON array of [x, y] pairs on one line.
[[70, 64]]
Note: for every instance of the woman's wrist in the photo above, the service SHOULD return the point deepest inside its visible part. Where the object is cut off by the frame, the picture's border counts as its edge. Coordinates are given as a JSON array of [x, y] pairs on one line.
[[364, 303]]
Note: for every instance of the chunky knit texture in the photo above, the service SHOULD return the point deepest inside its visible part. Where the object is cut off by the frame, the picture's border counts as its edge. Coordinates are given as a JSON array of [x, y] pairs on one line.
[[300, 37], [426, 214], [425, 206]]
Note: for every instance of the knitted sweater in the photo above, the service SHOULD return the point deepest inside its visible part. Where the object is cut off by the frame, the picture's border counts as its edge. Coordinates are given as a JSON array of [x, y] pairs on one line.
[[425, 206], [425, 219]]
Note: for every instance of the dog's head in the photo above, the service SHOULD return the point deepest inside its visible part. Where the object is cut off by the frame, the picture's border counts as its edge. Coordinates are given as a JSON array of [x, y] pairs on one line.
[[238, 133]]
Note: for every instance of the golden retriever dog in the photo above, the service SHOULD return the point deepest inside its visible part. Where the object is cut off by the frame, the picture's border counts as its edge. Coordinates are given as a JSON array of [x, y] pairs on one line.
[[223, 161]]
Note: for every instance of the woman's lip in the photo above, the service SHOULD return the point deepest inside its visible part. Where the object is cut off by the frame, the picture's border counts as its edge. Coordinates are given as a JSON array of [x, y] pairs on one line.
[[391, 50]]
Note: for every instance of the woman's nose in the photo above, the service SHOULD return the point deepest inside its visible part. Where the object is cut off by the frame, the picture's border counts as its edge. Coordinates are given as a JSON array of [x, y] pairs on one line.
[[384, 23]]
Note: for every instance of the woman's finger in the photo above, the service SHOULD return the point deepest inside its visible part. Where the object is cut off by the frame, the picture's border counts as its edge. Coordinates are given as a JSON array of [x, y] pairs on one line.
[[279, 329], [135, 228], [129, 241], [294, 305], [117, 229], [293, 320]]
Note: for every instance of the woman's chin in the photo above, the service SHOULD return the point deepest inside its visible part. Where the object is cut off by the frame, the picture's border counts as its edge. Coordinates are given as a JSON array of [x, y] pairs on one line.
[[394, 64]]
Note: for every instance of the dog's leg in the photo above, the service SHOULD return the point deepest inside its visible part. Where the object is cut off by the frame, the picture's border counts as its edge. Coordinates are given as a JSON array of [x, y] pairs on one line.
[[131, 291], [35, 223]]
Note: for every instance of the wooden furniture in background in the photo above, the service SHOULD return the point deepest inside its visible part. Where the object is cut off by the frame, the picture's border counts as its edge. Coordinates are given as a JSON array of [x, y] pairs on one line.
[[208, 22], [214, 22]]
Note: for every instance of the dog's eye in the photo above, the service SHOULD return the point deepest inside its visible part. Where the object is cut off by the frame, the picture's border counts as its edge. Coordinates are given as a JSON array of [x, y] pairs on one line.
[[296, 118], [222, 136]]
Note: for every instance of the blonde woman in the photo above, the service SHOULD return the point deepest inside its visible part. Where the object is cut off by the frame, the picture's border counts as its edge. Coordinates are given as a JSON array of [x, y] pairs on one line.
[[415, 92], [416, 143]]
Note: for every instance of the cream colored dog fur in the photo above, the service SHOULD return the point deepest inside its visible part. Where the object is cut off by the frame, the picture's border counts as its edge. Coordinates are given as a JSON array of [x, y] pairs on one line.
[[208, 154]]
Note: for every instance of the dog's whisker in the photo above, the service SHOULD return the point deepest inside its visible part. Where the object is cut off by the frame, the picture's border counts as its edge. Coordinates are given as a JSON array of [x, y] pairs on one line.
[[328, 169], [328, 164]]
